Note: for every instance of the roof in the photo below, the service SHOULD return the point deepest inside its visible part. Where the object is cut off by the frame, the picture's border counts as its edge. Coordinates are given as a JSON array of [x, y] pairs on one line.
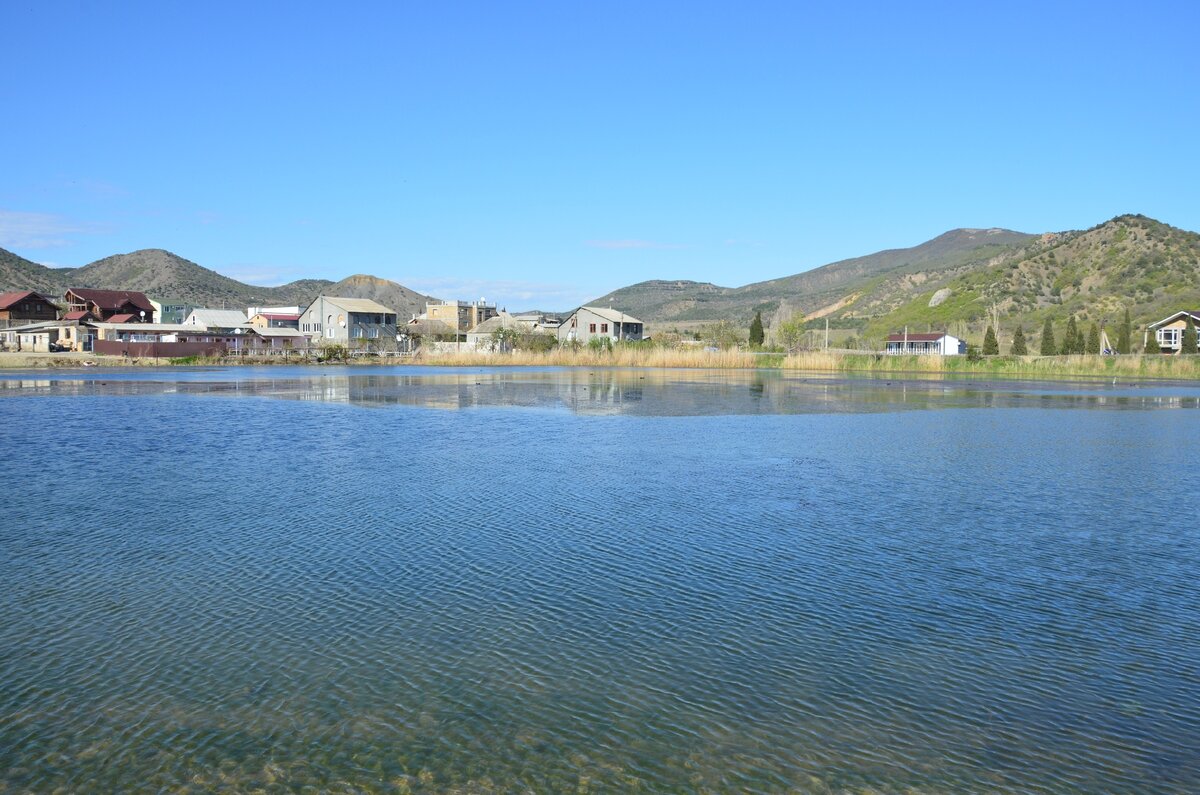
[[122, 318], [277, 316], [1195, 313], [423, 327], [8, 299], [502, 320], [113, 299], [608, 313], [933, 337], [358, 305], [78, 314], [217, 318], [165, 327], [278, 332]]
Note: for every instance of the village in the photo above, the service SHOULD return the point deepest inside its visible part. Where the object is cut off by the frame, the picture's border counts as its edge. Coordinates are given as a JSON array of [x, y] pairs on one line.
[[127, 323]]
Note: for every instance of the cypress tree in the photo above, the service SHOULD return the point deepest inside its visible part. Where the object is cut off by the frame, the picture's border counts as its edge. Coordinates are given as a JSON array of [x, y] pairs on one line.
[[990, 346], [1048, 346], [1124, 334], [1152, 345], [1070, 338], [756, 330], [1080, 342], [1093, 339], [1189, 338], [1018, 343]]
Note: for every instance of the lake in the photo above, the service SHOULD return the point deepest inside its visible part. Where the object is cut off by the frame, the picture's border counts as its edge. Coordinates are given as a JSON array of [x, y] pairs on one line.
[[549, 580]]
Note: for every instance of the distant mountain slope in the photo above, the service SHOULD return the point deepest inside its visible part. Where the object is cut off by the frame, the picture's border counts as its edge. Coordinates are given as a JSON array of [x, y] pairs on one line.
[[395, 296], [161, 274], [18, 273], [1131, 262], [667, 301]]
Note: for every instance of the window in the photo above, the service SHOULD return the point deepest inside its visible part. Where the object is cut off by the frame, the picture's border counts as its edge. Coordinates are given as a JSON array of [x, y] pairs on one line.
[[358, 332], [591, 328], [603, 328], [374, 333], [1168, 337]]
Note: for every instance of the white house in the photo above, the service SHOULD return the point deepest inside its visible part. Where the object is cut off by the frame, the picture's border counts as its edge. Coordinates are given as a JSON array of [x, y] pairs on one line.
[[1169, 331], [937, 343], [217, 319], [594, 322]]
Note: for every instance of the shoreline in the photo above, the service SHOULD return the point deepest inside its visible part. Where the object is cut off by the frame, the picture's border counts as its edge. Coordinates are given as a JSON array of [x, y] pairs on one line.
[[1131, 366]]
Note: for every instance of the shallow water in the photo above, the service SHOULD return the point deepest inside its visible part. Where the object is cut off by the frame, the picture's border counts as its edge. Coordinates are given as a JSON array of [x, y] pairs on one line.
[[422, 580]]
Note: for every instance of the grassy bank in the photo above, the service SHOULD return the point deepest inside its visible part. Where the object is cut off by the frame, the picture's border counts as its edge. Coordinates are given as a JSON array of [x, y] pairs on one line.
[[1048, 367]]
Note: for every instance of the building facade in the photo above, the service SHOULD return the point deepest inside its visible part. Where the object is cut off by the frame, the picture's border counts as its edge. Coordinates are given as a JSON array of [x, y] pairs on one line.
[[937, 343], [594, 322], [1168, 332], [349, 321]]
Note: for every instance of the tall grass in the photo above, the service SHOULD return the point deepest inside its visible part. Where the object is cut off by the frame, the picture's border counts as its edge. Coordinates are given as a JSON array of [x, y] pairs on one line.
[[619, 356]]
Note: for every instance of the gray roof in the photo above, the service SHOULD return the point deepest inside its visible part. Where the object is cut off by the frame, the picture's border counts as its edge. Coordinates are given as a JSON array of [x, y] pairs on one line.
[[359, 305], [217, 318], [502, 320], [611, 314], [277, 332]]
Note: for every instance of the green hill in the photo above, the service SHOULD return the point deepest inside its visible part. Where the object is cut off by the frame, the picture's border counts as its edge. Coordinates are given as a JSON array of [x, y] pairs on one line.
[[818, 290]]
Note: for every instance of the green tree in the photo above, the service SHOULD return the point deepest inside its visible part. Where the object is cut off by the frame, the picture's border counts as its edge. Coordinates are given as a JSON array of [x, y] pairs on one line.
[[991, 346], [1048, 346], [1070, 339], [1152, 345], [1189, 338], [721, 334], [1124, 334], [756, 330], [1018, 343], [791, 332], [1093, 339]]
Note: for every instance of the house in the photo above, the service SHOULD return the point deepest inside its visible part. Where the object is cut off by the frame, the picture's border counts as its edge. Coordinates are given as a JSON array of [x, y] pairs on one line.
[[482, 337], [594, 322], [349, 320], [1169, 331], [25, 307], [104, 304], [171, 310], [228, 320], [259, 339], [160, 339], [276, 320], [937, 343], [462, 316]]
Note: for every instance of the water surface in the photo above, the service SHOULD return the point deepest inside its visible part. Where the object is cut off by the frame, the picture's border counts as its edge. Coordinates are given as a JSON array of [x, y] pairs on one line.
[[422, 580]]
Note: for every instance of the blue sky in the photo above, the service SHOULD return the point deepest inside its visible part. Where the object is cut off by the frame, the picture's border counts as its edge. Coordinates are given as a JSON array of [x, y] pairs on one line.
[[541, 154]]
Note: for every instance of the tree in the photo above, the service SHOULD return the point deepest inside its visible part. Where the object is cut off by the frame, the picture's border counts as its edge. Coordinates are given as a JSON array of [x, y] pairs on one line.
[[1189, 338], [1070, 338], [721, 334], [756, 330], [1152, 345], [791, 332], [991, 347], [1018, 343], [1124, 334], [1093, 339], [1080, 342], [1048, 346]]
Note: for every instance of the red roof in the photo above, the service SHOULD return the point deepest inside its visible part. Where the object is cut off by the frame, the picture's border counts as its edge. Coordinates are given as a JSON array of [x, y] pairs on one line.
[[917, 337], [112, 299], [122, 319], [78, 314], [8, 299]]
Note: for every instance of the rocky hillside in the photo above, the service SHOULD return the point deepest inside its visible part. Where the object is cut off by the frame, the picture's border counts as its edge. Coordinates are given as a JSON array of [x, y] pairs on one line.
[[161, 274], [820, 290], [1129, 262]]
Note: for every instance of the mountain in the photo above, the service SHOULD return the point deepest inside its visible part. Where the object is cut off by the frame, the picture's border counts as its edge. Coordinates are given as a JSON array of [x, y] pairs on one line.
[[1130, 262], [395, 296], [960, 282], [161, 274], [817, 290]]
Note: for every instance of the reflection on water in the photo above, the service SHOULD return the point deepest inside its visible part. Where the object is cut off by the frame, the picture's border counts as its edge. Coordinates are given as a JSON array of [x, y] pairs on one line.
[[616, 391], [727, 582]]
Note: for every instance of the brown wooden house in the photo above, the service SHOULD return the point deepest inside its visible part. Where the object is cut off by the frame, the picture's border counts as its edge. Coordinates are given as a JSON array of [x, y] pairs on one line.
[[24, 307], [104, 304]]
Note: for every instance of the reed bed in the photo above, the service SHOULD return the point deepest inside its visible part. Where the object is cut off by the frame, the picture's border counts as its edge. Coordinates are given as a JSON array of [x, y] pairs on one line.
[[620, 356]]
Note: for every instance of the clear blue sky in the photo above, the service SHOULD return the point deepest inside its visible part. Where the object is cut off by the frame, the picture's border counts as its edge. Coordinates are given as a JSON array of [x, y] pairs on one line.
[[540, 154]]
